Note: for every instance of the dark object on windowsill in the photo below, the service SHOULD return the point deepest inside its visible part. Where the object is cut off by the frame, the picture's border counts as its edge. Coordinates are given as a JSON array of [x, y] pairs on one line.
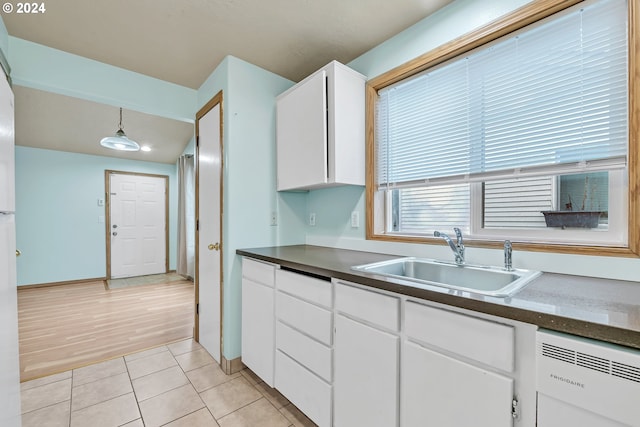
[[577, 219]]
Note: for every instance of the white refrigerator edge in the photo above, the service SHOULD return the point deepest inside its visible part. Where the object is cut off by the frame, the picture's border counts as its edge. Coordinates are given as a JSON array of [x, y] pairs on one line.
[[9, 355]]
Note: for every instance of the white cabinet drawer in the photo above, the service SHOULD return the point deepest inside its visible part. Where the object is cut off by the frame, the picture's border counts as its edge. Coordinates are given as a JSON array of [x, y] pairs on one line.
[[308, 318], [308, 288], [260, 272], [482, 340], [305, 390], [381, 310], [313, 355]]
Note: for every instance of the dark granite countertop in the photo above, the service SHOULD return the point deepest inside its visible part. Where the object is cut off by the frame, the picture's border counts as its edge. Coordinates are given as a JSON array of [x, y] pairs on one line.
[[607, 310]]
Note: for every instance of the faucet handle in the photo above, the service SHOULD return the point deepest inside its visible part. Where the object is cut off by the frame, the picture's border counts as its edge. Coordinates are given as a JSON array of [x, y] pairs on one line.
[[458, 236], [508, 248]]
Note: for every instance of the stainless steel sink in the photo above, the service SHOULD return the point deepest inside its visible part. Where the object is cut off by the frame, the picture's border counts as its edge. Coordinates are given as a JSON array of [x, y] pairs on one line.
[[492, 281]]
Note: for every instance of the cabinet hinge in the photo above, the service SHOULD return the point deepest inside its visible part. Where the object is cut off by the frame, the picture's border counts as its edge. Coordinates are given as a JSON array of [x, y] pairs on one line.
[[198, 308], [197, 225], [515, 408]]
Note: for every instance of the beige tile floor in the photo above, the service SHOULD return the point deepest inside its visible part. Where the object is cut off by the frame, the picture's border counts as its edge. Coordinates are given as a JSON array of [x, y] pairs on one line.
[[177, 385]]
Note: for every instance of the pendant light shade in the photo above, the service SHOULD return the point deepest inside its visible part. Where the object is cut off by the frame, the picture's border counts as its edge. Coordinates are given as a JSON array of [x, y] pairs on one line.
[[119, 141]]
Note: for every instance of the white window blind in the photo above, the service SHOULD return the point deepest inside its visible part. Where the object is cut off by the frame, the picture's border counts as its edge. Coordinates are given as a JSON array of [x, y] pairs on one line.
[[423, 210], [551, 99]]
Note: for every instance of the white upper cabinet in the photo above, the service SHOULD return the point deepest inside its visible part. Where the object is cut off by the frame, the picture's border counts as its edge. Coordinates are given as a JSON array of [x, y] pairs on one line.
[[320, 130]]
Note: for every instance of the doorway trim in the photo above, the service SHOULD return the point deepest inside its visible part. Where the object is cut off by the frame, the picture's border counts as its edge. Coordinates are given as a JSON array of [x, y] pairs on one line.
[[107, 207], [216, 100]]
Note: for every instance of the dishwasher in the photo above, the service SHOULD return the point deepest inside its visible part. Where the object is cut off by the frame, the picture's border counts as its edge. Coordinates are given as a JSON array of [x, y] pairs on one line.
[[586, 383]]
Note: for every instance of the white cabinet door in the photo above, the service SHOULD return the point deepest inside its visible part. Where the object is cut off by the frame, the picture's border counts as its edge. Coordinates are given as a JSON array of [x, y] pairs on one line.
[[441, 391], [258, 338], [321, 130], [302, 135], [366, 375]]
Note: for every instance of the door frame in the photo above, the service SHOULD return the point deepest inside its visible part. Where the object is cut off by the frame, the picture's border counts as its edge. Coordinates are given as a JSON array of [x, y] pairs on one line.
[[216, 100], [107, 207]]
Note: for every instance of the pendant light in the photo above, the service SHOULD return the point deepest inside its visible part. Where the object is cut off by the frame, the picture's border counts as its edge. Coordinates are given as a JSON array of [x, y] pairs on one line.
[[119, 141]]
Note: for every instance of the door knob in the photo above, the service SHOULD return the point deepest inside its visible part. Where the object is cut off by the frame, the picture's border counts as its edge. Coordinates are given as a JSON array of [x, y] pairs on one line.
[[115, 233], [114, 226], [18, 253], [215, 247]]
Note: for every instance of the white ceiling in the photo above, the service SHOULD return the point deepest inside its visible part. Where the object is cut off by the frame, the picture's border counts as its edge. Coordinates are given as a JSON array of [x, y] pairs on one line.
[[183, 41], [57, 122]]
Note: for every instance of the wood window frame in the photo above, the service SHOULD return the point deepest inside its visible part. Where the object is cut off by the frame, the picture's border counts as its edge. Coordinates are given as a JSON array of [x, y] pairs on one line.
[[511, 22]]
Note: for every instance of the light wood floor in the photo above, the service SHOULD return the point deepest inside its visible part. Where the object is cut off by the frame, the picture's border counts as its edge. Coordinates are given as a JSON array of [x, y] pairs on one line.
[[69, 326]]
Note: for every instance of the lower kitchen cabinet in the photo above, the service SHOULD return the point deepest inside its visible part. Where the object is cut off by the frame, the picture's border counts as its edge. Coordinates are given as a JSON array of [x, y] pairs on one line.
[[459, 369], [304, 389], [366, 375], [258, 324], [348, 355], [366, 358], [438, 390], [304, 343]]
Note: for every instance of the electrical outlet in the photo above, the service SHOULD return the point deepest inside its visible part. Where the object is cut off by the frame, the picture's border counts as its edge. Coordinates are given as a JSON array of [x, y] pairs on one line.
[[355, 219], [274, 218], [312, 219]]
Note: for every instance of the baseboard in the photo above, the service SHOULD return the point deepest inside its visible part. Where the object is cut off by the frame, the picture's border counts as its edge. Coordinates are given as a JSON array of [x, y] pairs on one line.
[[66, 282], [231, 366]]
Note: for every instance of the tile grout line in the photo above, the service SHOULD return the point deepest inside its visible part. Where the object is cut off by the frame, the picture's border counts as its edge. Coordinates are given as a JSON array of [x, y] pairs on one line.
[[244, 406], [133, 390], [73, 377], [194, 387], [71, 411], [246, 376]]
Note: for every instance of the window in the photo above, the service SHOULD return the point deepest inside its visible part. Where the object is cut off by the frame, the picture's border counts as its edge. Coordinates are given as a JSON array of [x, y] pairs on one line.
[[535, 121]]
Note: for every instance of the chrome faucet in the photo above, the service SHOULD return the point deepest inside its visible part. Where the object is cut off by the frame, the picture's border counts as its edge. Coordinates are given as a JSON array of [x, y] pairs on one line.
[[507, 255], [457, 248]]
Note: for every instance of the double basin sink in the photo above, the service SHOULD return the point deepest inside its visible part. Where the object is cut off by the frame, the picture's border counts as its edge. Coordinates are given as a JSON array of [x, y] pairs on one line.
[[484, 280]]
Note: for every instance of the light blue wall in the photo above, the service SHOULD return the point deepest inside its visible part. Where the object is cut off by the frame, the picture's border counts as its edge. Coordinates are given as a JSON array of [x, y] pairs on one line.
[[41, 67], [4, 39], [333, 207], [449, 23], [58, 224], [249, 177], [44, 68]]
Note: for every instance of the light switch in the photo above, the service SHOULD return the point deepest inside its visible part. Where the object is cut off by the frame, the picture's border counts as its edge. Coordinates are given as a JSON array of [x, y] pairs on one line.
[[101, 219], [100, 202], [312, 219], [355, 219]]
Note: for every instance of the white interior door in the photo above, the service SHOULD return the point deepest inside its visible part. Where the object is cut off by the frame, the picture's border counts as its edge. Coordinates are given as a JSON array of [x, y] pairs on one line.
[[137, 227], [208, 277]]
